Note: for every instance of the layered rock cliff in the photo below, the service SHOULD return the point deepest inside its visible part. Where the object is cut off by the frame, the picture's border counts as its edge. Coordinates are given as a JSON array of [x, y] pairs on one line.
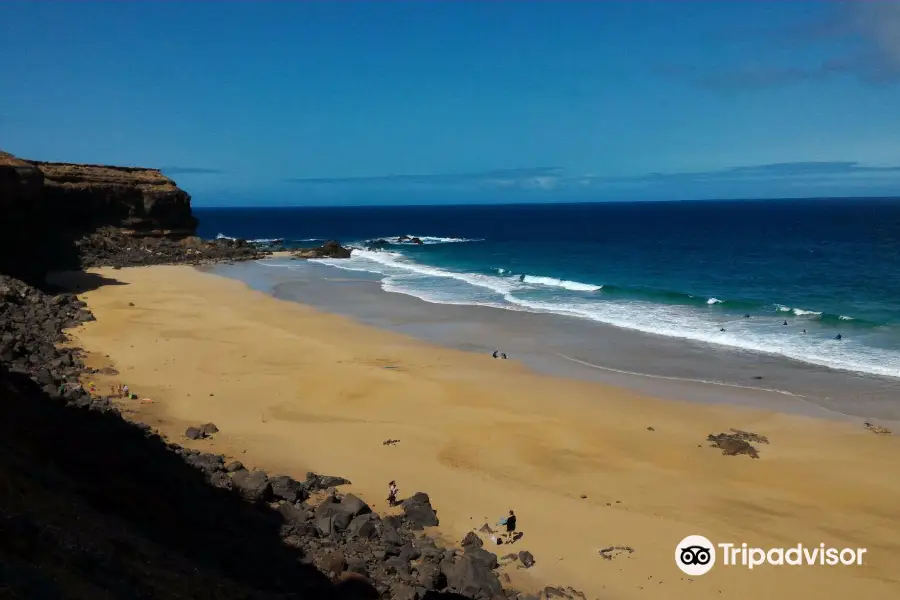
[[57, 216]]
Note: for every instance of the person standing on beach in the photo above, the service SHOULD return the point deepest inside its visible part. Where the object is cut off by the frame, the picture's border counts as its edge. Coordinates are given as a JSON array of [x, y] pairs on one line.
[[511, 526], [392, 493]]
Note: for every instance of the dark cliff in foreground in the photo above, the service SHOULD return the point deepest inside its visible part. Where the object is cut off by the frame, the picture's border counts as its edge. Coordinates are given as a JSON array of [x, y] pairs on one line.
[[58, 216], [94, 506]]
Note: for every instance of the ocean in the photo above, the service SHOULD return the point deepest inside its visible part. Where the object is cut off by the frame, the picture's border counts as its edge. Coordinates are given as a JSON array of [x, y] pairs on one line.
[[783, 278]]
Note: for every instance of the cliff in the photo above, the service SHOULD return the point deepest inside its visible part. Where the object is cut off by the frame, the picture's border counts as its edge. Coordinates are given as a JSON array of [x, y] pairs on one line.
[[56, 216], [90, 196]]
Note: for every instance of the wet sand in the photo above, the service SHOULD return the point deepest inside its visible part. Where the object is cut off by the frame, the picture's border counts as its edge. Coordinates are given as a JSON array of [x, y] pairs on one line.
[[578, 348], [294, 389]]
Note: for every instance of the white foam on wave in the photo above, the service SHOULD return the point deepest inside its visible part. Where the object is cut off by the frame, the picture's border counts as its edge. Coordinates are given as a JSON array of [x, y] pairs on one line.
[[799, 312], [222, 236], [428, 240], [376, 261], [682, 322], [714, 301], [402, 275], [575, 286], [844, 318]]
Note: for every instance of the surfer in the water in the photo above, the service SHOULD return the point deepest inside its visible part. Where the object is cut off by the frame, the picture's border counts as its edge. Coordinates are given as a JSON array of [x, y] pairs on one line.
[[838, 337]]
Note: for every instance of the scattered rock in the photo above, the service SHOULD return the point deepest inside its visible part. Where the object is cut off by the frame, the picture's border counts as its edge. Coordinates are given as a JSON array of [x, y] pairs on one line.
[[201, 431], [472, 540], [611, 552], [287, 488], [732, 445], [419, 512], [486, 529], [332, 562], [526, 559], [318, 483], [748, 436], [469, 577], [252, 485], [234, 465], [877, 429]]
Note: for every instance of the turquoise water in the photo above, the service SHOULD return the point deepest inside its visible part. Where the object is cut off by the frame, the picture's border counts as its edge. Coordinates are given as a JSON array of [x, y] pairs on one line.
[[688, 270]]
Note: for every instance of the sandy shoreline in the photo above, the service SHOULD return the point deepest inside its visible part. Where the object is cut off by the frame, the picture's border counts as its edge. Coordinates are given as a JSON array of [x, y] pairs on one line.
[[293, 389]]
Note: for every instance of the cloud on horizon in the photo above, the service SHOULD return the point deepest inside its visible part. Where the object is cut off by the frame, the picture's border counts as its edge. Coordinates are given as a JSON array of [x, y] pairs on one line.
[[536, 177], [190, 171], [741, 179], [872, 29]]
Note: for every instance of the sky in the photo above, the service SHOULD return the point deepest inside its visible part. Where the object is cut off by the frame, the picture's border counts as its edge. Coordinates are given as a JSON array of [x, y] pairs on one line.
[[328, 103]]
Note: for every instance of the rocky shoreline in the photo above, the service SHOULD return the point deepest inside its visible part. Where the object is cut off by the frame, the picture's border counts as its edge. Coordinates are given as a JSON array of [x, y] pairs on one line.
[[103, 507], [337, 533]]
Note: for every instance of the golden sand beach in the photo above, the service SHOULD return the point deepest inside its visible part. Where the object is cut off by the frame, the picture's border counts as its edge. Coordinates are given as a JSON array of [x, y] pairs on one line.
[[293, 389]]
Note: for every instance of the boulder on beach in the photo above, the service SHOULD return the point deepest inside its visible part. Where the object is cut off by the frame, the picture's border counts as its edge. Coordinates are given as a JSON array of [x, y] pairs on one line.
[[732, 445], [252, 485], [418, 511]]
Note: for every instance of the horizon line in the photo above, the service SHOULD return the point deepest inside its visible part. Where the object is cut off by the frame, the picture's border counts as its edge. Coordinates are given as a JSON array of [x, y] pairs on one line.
[[542, 203]]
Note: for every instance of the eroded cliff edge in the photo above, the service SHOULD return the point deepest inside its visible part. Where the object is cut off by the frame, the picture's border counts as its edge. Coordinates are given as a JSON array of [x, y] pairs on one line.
[[57, 216]]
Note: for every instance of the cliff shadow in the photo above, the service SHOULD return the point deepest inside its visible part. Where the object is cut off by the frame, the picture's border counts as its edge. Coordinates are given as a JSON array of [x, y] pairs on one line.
[[76, 282], [95, 507]]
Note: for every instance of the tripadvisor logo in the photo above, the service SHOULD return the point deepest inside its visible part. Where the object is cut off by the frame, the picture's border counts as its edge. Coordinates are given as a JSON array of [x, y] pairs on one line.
[[696, 555]]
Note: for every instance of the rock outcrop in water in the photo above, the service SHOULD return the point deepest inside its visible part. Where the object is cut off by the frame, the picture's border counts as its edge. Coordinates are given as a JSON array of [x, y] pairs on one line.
[[330, 249], [56, 216]]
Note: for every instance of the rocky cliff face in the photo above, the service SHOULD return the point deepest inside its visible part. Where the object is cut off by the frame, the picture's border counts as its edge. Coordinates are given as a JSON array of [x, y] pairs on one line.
[[45, 207], [90, 196]]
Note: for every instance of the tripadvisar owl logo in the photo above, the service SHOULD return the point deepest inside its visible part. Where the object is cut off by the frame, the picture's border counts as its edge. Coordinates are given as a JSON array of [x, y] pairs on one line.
[[695, 555]]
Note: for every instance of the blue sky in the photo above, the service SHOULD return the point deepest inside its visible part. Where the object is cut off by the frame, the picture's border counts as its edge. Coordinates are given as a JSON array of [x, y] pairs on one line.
[[412, 102]]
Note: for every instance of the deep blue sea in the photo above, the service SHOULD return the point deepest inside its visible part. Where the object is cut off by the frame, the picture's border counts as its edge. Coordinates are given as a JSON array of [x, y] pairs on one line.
[[689, 270]]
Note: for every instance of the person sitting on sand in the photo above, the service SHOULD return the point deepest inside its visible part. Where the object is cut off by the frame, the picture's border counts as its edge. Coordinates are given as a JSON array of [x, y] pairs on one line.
[[511, 526], [392, 493], [503, 355], [496, 353]]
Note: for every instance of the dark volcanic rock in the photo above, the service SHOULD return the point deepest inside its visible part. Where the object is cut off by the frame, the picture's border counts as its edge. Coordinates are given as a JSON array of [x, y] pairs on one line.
[[482, 557], [72, 216], [472, 540], [332, 561], [287, 488], [471, 578], [330, 249], [253, 486], [318, 483], [354, 506], [419, 512], [364, 526], [526, 559], [732, 444]]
